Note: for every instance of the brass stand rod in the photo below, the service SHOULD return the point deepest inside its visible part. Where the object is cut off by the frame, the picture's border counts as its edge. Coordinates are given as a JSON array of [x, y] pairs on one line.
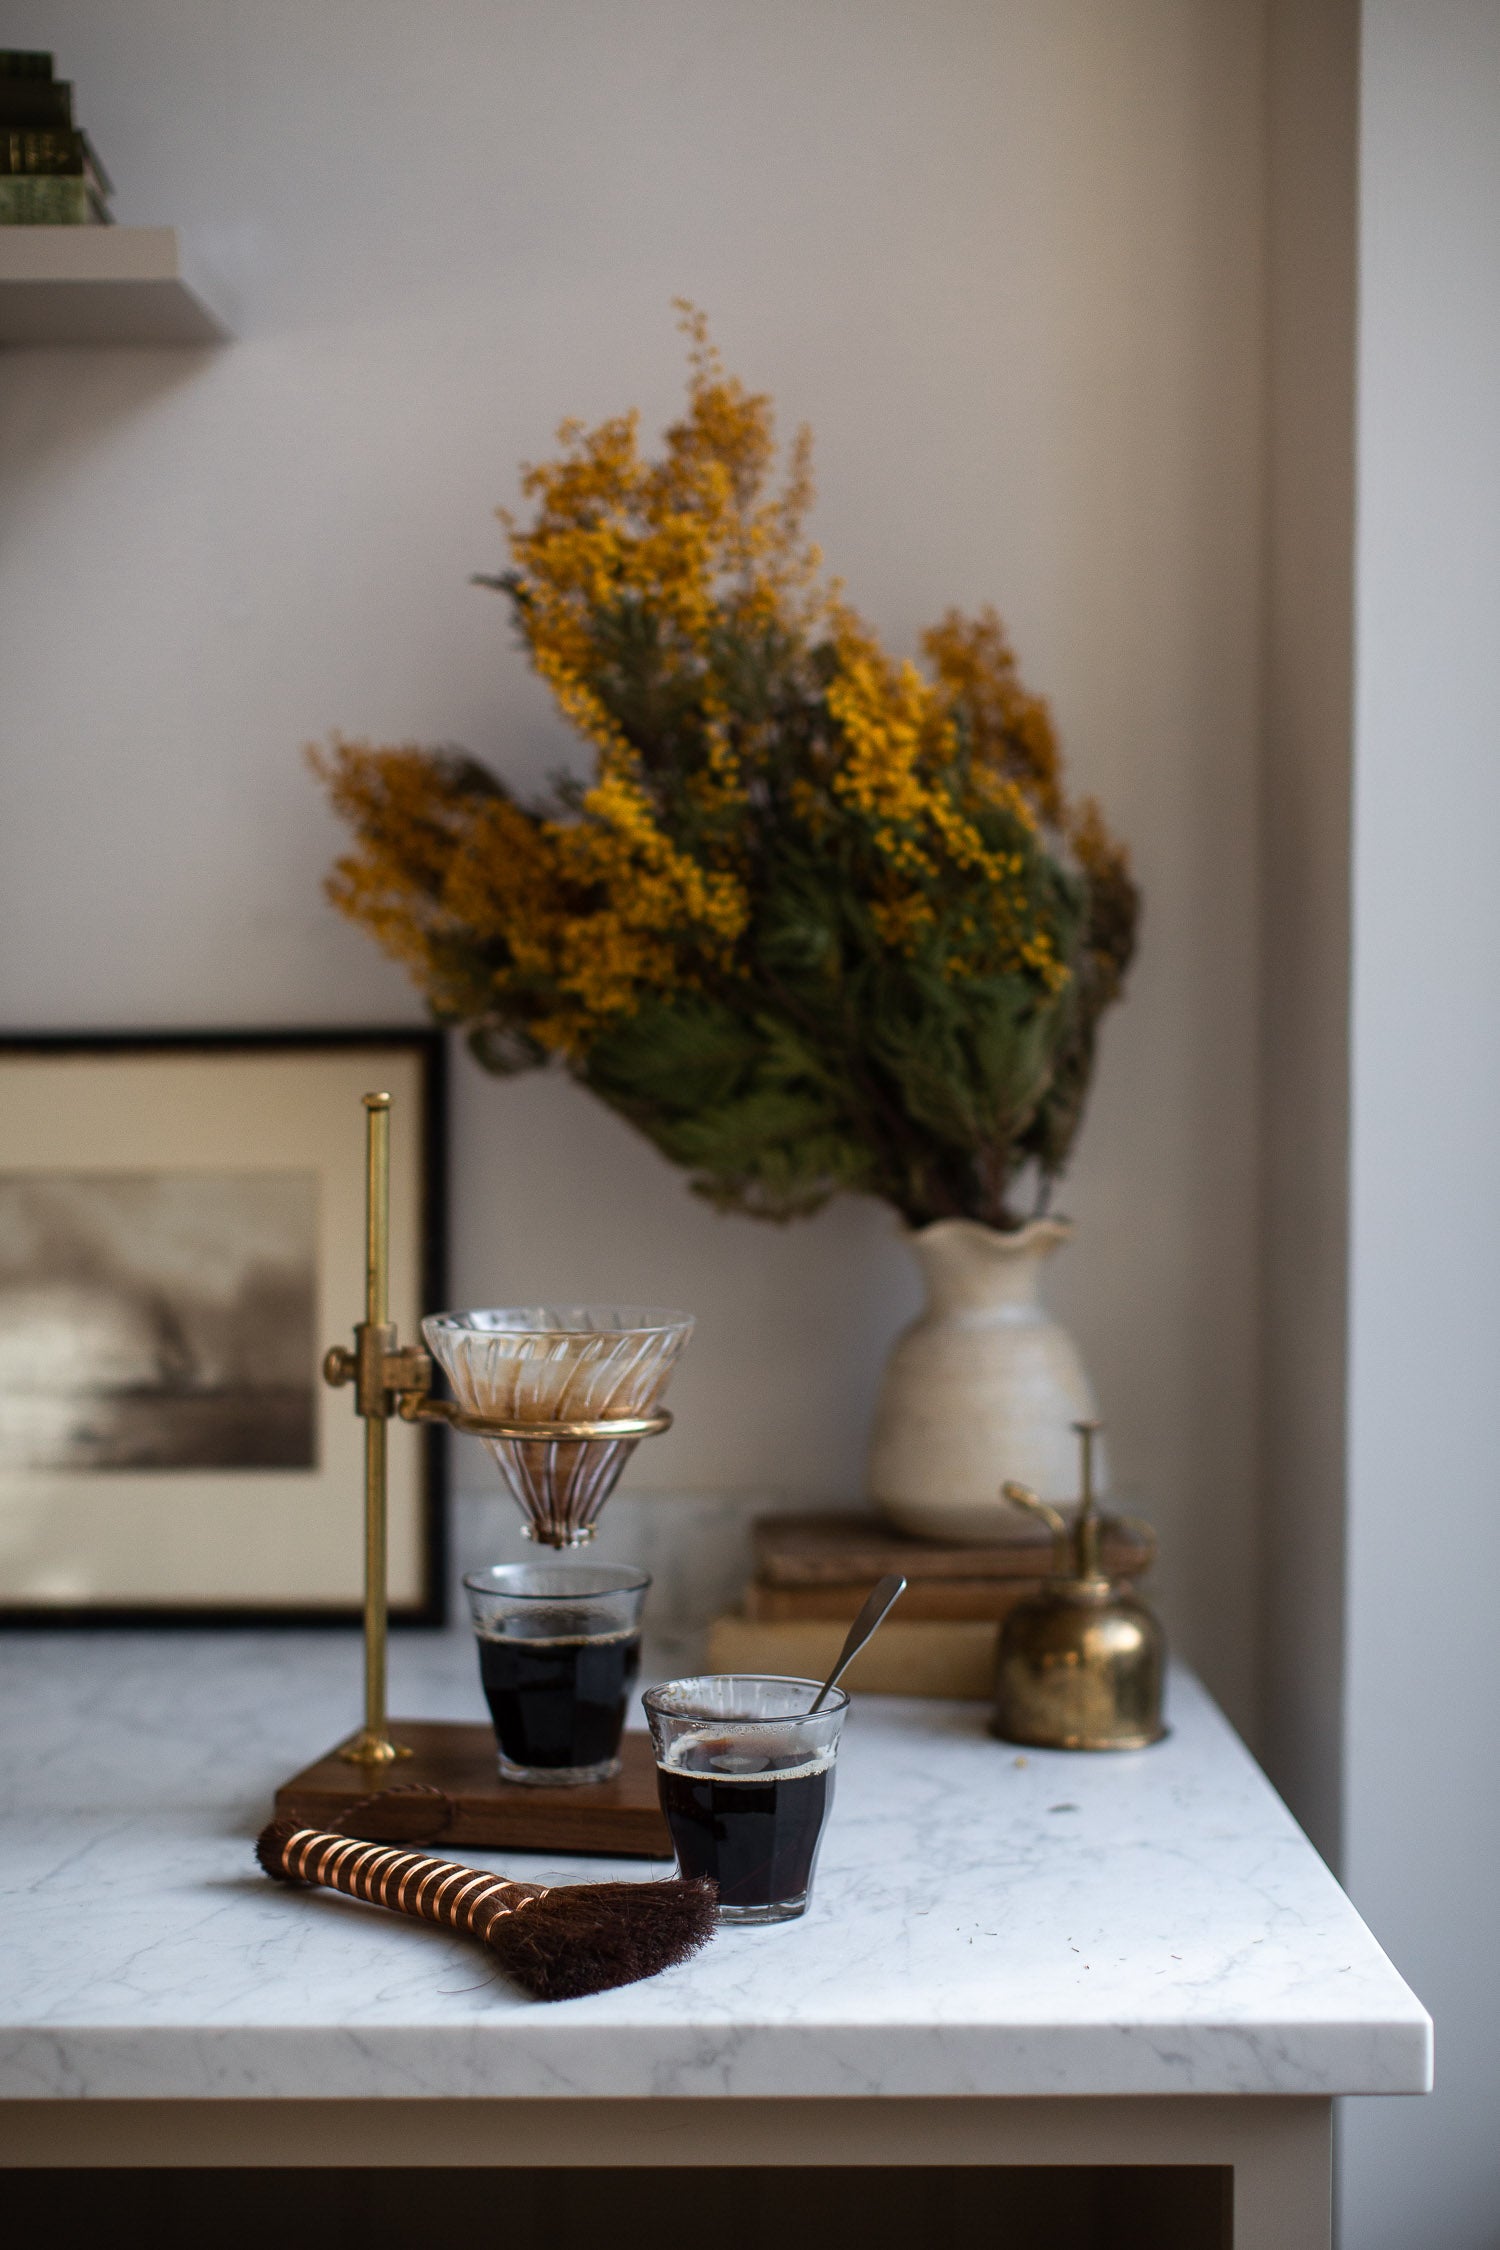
[[375, 1581], [377, 1208], [377, 1301], [374, 1341]]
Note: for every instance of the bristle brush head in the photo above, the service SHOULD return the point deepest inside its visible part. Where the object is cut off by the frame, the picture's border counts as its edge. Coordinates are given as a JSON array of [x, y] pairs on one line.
[[590, 1937]]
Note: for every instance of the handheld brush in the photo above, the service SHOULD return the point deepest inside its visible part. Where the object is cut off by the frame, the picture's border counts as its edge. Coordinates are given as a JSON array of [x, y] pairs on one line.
[[558, 1943]]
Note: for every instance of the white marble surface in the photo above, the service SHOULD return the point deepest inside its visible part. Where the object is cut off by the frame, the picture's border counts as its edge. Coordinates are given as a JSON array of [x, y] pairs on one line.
[[983, 1923]]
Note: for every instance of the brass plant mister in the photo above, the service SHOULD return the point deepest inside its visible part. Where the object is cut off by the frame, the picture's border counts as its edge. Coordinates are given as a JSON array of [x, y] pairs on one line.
[[1081, 1660]]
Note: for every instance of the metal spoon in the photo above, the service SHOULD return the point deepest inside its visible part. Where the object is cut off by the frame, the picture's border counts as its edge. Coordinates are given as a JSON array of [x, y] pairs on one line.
[[881, 1600]]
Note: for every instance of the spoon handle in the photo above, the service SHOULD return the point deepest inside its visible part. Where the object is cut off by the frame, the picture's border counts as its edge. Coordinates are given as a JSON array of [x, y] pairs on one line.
[[881, 1599]]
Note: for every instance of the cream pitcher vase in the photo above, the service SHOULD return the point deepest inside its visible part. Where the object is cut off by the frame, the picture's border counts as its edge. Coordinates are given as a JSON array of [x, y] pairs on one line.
[[984, 1386]]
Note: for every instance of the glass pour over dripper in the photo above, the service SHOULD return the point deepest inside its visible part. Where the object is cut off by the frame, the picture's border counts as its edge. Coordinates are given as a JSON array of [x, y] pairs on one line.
[[560, 1363]]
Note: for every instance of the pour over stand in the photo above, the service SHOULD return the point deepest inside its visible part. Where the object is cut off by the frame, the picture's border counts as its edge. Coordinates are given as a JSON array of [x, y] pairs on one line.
[[390, 1379]]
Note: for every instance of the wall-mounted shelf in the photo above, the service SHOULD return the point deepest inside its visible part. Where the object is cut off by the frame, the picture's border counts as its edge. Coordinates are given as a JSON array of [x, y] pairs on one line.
[[103, 285]]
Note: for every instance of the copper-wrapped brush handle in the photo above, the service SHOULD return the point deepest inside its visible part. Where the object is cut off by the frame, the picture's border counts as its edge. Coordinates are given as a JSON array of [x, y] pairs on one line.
[[465, 1899], [560, 1943]]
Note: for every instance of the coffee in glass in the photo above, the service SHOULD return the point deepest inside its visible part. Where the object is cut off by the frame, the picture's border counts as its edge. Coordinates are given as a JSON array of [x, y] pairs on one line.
[[559, 1648], [744, 1771]]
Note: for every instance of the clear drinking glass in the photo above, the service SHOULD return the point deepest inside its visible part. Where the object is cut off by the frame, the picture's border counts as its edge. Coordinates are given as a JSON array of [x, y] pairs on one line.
[[744, 1768], [559, 1649], [559, 1363]]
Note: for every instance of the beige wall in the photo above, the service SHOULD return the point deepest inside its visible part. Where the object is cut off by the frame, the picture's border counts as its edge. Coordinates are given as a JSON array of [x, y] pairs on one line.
[[1004, 256]]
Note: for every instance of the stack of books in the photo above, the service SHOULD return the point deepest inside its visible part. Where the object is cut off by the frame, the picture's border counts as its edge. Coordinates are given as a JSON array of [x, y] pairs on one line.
[[813, 1572], [49, 174]]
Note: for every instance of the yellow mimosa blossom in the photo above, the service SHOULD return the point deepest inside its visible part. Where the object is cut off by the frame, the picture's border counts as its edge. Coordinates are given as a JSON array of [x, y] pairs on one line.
[[818, 918]]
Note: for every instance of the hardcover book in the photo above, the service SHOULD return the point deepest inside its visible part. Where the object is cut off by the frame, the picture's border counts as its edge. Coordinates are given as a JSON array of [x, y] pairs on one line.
[[847, 1550], [32, 200], [51, 153], [904, 1658], [45, 103], [972, 1601]]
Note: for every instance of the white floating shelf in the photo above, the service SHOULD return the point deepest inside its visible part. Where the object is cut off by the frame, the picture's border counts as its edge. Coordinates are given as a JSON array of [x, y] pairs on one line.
[[102, 285]]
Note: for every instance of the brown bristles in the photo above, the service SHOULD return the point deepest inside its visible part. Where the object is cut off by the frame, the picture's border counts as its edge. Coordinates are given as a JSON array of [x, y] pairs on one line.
[[269, 1847], [559, 1944], [589, 1937]]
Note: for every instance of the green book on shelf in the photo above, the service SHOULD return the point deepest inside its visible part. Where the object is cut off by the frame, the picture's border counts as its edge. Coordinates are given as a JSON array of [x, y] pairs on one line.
[[23, 149], [37, 200], [45, 103], [24, 62], [51, 155]]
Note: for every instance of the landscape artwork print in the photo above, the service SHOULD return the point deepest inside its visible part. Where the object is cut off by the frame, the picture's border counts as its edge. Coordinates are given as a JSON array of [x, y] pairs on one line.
[[182, 1237], [161, 1321]]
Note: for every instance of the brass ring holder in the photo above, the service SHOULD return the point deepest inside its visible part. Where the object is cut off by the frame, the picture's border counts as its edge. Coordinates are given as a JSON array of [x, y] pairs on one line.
[[413, 1407], [392, 1379]]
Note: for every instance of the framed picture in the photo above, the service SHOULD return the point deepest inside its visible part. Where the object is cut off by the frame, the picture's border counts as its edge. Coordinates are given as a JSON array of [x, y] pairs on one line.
[[181, 1239]]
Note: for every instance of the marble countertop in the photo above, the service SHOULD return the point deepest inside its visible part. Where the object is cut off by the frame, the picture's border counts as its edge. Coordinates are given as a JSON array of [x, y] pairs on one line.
[[984, 1922]]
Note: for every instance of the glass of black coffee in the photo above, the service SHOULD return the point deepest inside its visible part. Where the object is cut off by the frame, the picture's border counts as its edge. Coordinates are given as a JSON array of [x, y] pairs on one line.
[[744, 1769], [559, 1649]]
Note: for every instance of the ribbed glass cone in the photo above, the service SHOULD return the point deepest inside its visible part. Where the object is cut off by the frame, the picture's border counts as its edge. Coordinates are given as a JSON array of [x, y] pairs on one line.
[[559, 1363]]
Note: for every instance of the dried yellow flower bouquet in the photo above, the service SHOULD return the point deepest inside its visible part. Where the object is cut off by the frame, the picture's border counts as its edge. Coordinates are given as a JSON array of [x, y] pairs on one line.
[[820, 921]]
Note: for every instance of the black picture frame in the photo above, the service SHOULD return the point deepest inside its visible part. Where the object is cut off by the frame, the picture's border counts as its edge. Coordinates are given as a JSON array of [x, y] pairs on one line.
[[429, 1049]]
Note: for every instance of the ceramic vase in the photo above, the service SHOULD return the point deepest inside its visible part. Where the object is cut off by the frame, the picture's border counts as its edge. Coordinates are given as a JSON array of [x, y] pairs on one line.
[[985, 1385]]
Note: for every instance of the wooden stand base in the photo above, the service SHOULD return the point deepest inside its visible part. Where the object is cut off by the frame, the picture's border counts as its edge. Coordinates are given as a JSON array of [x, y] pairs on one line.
[[619, 1819]]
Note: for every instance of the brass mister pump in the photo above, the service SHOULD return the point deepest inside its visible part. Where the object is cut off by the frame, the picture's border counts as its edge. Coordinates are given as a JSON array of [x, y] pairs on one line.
[[1081, 1660]]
